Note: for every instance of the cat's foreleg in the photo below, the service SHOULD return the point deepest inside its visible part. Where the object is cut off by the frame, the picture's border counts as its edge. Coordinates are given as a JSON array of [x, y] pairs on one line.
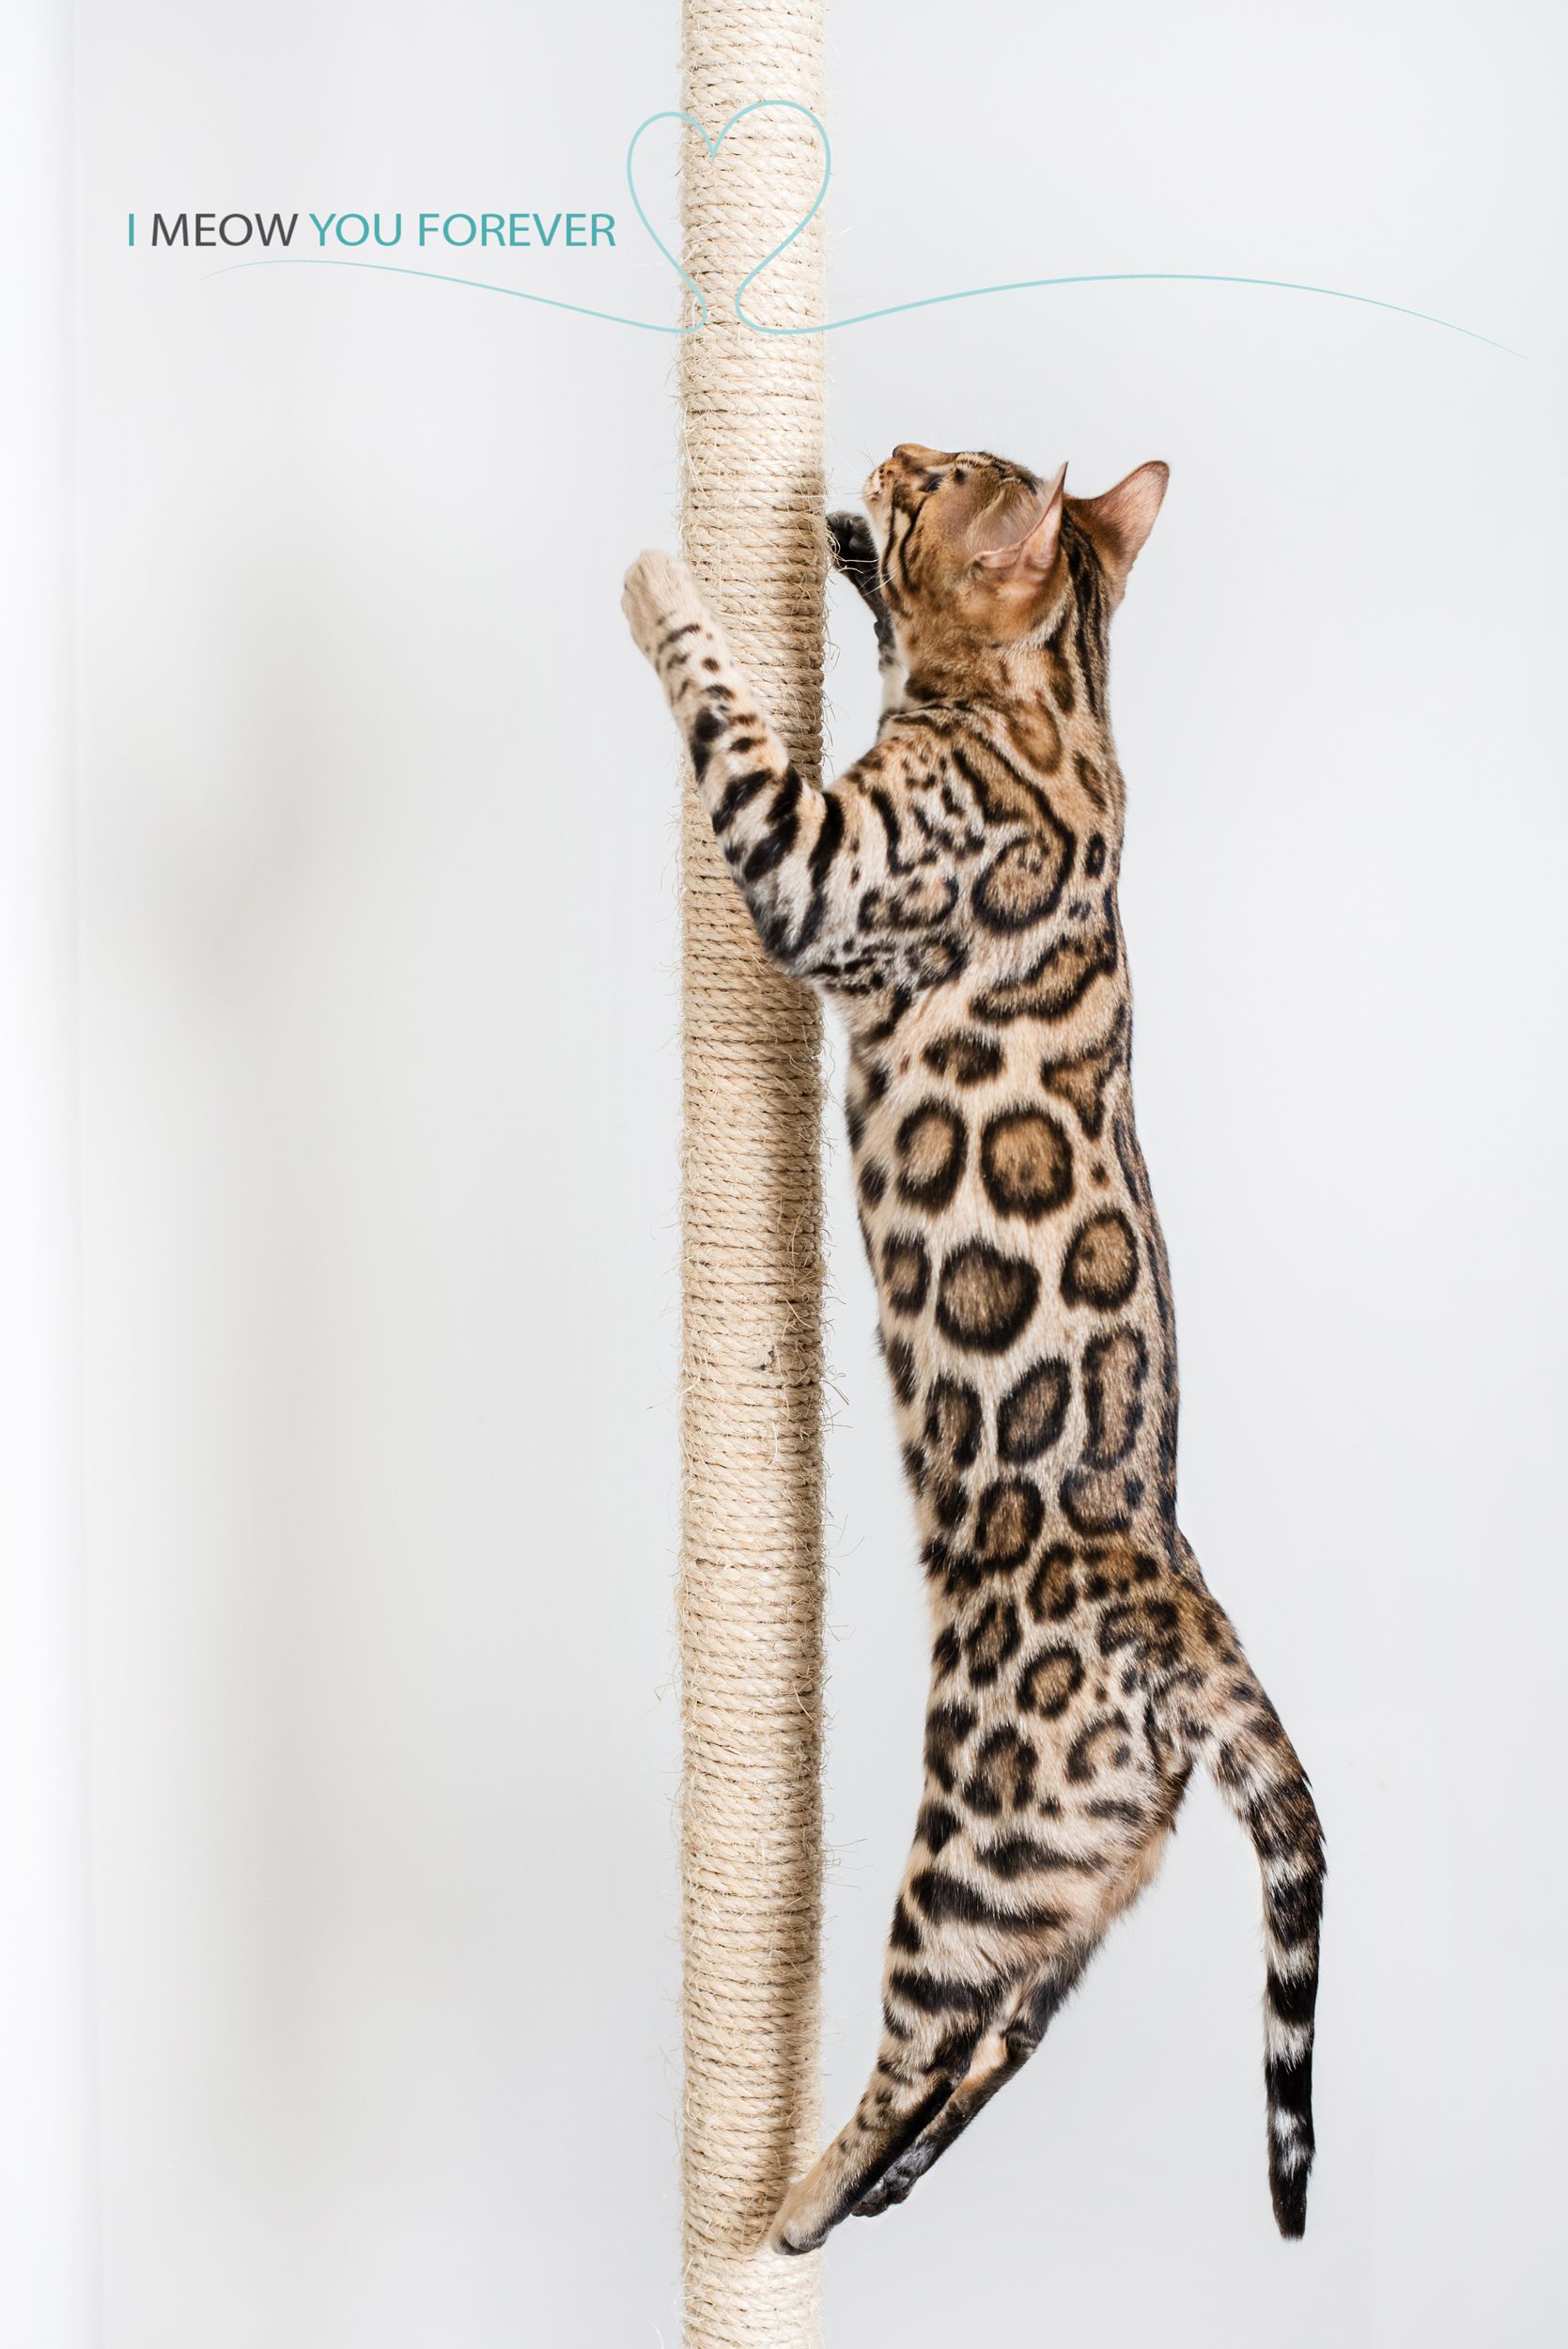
[[855, 555], [814, 866], [778, 835], [709, 698]]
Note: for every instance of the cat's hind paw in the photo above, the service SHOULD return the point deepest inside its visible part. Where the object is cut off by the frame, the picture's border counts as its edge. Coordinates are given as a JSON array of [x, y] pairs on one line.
[[801, 2225], [848, 2173]]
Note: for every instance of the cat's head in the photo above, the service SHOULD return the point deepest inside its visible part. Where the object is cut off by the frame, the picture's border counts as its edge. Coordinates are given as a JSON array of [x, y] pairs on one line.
[[978, 553]]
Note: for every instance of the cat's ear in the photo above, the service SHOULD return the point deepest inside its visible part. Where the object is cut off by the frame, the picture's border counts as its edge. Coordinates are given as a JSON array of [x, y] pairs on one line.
[[1120, 519], [1028, 558]]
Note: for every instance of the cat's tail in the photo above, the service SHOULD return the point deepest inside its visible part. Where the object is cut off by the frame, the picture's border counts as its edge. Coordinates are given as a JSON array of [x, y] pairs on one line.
[[1252, 1762]]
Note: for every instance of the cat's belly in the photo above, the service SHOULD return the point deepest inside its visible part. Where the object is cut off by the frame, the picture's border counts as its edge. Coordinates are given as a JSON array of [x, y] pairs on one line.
[[1025, 1315]]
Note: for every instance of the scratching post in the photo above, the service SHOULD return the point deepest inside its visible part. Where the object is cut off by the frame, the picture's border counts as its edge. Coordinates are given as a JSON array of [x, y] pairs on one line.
[[751, 1568]]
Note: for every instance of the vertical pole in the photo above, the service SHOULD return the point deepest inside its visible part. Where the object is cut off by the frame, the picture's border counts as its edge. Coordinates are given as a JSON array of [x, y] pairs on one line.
[[751, 1576]]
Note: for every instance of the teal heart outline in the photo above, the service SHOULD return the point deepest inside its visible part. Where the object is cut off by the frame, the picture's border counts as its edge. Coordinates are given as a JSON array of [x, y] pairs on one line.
[[674, 114]]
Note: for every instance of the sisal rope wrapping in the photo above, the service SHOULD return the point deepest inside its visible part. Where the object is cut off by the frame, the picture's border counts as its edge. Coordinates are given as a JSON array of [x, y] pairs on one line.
[[751, 1571]]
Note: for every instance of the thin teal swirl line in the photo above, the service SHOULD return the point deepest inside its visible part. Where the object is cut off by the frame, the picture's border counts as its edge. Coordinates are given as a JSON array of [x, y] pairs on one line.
[[578, 309], [1136, 278], [861, 317], [1020, 285], [444, 277]]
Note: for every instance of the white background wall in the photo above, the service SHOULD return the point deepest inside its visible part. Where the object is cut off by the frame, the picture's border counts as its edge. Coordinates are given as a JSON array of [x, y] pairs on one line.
[[378, 1096], [48, 2233]]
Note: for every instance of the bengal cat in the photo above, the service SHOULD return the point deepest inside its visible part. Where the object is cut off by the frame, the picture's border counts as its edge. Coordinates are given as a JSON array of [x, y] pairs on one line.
[[955, 894]]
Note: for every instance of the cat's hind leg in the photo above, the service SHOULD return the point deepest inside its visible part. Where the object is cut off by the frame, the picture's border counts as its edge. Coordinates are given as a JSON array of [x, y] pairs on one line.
[[1026, 1849], [992, 2065], [976, 1967], [925, 2057], [995, 2064]]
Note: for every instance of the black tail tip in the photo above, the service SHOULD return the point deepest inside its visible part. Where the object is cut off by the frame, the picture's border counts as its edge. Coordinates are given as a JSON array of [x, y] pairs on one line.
[[1289, 2190]]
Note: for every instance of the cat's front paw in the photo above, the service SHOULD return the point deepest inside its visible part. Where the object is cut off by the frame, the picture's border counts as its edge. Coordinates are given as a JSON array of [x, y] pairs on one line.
[[660, 595], [850, 537], [855, 554]]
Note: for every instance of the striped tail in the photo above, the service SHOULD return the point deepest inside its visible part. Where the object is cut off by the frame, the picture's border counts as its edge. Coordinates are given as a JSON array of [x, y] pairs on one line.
[[1255, 1768]]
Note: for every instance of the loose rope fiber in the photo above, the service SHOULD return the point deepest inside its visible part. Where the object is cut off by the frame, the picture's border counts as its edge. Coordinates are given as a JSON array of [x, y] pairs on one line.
[[751, 1571]]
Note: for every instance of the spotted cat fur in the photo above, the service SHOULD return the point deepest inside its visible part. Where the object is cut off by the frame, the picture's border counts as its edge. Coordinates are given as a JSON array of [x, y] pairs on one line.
[[954, 893]]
